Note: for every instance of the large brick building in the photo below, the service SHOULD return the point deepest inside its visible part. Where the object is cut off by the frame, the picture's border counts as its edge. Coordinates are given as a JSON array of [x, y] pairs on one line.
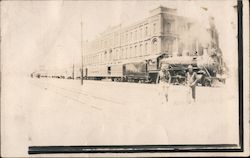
[[157, 34]]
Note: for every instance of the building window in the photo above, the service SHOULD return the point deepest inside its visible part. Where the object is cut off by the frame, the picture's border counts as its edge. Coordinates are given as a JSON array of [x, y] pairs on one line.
[[154, 47], [135, 36], [168, 27], [130, 52], [101, 58], [110, 55], [131, 36], [154, 28], [140, 52], [146, 31], [105, 56], [122, 40], [126, 38], [188, 26], [136, 52], [126, 53], [169, 47], [105, 44], [116, 54], [140, 33], [122, 54], [146, 48], [118, 39]]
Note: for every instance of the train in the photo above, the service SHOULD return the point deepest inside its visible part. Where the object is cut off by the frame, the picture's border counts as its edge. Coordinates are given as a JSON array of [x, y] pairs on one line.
[[140, 70], [145, 70]]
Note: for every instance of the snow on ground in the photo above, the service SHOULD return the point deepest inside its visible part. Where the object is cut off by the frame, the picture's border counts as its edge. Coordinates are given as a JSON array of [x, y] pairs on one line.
[[62, 112]]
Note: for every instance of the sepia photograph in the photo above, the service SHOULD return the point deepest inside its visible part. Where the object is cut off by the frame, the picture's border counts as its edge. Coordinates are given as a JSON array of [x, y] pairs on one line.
[[122, 78]]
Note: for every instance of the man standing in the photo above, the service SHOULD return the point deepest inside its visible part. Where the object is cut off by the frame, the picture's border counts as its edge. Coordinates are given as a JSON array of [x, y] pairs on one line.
[[164, 80], [191, 81]]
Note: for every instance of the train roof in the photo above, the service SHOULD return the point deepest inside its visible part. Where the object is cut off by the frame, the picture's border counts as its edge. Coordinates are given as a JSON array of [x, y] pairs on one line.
[[142, 59], [183, 60], [121, 62]]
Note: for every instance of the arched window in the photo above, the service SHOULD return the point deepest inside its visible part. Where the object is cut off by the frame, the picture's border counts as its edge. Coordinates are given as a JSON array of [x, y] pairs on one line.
[[154, 46]]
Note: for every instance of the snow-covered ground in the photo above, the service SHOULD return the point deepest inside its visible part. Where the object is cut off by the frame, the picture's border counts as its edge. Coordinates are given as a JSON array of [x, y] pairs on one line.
[[62, 112]]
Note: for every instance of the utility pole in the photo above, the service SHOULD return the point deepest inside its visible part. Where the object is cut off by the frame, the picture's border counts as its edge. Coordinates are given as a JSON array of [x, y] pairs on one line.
[[73, 72], [81, 55]]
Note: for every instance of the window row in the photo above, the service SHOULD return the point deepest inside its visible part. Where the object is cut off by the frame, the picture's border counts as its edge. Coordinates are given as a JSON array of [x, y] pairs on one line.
[[123, 53], [127, 37]]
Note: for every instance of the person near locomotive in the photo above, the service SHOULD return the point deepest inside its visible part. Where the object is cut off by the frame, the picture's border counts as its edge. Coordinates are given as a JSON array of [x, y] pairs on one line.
[[191, 82], [164, 80]]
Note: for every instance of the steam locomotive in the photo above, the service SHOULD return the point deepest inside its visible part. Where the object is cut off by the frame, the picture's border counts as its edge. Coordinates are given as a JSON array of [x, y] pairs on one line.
[[146, 70]]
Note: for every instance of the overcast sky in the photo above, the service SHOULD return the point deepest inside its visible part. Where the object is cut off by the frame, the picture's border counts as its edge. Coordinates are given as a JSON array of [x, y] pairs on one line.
[[48, 32]]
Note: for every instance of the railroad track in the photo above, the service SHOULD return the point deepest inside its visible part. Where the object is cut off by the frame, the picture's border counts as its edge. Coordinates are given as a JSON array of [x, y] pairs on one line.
[[77, 95]]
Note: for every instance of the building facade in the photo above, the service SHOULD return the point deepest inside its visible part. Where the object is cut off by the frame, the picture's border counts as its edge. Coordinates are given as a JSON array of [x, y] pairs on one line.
[[156, 34], [162, 32]]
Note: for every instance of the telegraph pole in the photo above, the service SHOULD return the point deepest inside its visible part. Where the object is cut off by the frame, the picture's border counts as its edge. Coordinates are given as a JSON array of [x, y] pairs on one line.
[[73, 72], [81, 55]]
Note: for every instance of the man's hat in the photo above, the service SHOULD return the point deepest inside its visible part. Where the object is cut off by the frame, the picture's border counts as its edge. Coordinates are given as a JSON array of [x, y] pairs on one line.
[[190, 66]]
